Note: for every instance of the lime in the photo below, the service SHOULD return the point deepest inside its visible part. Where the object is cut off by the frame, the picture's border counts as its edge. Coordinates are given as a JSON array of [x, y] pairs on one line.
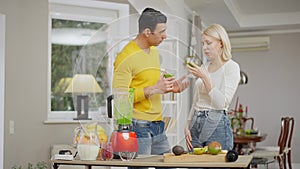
[[167, 75]]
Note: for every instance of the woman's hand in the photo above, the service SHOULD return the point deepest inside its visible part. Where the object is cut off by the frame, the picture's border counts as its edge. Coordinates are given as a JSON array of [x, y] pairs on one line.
[[179, 85], [166, 85], [197, 71], [201, 73], [188, 138]]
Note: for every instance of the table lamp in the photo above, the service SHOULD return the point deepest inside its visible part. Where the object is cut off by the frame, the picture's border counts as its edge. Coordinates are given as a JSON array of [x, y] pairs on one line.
[[81, 85], [244, 78]]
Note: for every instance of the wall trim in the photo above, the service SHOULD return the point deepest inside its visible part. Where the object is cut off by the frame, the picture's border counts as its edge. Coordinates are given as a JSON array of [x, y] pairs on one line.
[[264, 32]]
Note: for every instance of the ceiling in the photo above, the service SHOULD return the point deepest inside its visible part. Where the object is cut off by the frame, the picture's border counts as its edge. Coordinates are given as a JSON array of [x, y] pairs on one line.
[[273, 16], [239, 17]]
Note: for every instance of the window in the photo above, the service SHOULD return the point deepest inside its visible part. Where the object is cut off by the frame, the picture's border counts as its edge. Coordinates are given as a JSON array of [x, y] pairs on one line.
[[78, 41]]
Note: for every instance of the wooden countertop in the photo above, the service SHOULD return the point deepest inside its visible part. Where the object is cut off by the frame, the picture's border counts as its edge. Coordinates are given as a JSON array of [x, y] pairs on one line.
[[156, 161]]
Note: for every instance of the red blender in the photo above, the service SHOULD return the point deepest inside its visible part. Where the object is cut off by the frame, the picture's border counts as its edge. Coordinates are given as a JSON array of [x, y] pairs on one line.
[[123, 138]]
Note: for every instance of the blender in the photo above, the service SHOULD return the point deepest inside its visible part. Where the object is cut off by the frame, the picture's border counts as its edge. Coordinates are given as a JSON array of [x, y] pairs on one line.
[[123, 138]]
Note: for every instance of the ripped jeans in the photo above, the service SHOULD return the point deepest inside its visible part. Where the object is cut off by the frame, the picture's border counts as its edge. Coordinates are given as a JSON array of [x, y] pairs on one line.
[[211, 125]]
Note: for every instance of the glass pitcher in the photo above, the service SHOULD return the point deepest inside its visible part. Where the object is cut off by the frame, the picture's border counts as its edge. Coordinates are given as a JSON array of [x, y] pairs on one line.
[[88, 144]]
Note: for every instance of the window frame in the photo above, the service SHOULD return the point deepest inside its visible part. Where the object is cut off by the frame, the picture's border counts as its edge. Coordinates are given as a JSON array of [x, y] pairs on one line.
[[121, 9]]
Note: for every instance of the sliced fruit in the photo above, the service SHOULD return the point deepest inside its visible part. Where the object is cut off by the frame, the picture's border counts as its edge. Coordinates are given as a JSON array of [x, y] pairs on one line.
[[199, 151], [224, 151]]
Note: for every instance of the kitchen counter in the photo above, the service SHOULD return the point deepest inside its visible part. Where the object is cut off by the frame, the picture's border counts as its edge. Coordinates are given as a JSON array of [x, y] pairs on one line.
[[156, 161]]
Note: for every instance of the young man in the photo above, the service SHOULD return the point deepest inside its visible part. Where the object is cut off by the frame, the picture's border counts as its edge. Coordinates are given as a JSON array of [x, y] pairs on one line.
[[138, 66]]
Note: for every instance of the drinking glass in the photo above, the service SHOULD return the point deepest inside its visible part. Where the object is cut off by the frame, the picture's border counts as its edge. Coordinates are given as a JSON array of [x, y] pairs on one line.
[[106, 151], [194, 60]]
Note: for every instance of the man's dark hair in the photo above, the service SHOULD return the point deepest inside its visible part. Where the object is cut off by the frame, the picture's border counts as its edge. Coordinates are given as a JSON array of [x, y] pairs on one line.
[[150, 18]]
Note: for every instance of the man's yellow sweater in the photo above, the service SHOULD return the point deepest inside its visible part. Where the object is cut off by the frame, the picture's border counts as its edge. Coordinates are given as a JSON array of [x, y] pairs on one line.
[[137, 69]]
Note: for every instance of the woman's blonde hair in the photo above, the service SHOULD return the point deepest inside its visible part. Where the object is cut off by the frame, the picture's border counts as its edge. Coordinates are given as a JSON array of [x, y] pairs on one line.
[[217, 31]]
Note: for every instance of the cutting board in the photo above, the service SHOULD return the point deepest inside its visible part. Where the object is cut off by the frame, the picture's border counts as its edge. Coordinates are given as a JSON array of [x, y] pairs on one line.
[[170, 157]]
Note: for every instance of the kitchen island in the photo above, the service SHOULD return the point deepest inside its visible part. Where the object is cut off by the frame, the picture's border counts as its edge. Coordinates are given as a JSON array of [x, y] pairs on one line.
[[155, 161]]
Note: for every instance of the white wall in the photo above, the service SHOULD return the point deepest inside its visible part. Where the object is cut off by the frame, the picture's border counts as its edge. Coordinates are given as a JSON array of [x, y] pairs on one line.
[[2, 82], [273, 88], [26, 60]]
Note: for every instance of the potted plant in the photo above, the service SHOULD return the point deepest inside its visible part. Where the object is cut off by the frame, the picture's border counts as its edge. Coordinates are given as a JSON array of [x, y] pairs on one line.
[[39, 165]]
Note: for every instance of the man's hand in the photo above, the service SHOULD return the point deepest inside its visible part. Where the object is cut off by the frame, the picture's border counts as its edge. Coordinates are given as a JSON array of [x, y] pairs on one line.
[[162, 86], [166, 85]]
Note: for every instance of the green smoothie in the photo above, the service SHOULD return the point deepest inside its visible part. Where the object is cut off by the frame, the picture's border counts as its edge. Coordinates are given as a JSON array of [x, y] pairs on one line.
[[123, 108]]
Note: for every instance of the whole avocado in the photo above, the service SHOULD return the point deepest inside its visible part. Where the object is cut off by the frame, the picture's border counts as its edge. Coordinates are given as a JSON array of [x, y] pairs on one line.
[[178, 150]]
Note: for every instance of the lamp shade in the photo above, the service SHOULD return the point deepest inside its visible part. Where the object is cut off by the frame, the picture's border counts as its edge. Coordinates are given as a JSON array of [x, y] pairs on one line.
[[62, 85], [83, 83]]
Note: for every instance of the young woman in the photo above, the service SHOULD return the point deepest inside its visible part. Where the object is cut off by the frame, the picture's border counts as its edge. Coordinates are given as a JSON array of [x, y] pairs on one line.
[[216, 84]]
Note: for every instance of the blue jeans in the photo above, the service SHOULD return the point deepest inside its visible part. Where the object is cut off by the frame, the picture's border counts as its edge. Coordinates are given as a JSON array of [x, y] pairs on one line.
[[214, 125], [152, 138], [211, 125]]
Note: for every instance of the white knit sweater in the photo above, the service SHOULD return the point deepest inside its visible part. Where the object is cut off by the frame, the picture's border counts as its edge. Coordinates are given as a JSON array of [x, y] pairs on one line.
[[224, 85]]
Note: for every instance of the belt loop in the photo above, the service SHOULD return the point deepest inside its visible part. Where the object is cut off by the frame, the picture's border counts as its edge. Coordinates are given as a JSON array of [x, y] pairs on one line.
[[201, 112], [206, 113]]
